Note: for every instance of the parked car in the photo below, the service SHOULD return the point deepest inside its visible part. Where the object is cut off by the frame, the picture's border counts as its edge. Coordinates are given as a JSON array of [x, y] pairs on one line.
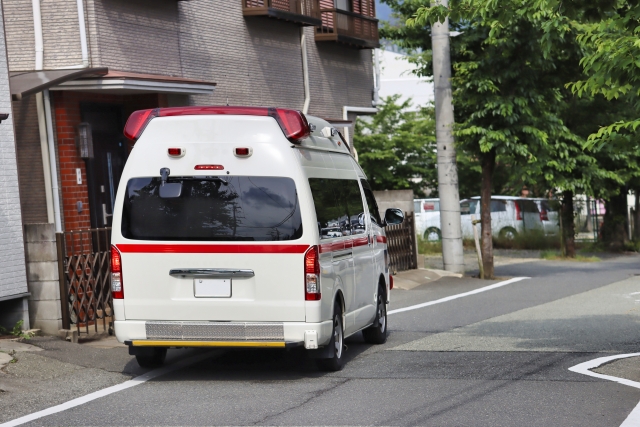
[[549, 215], [234, 227], [427, 218], [509, 216]]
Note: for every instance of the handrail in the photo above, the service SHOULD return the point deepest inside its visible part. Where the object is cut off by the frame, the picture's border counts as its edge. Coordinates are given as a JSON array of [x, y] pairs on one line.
[[349, 13]]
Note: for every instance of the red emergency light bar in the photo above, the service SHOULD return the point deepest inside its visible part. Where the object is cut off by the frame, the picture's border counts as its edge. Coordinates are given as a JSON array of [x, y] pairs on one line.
[[293, 123]]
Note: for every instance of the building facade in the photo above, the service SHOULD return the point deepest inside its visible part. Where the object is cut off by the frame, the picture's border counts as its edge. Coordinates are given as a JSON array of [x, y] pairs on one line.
[[170, 53], [13, 279], [78, 68]]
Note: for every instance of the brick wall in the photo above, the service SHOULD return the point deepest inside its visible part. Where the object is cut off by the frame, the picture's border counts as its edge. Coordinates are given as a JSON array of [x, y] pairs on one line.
[[61, 34], [13, 280]]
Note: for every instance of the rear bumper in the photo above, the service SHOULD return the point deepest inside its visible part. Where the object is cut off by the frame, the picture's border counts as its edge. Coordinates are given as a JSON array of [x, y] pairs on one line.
[[139, 333]]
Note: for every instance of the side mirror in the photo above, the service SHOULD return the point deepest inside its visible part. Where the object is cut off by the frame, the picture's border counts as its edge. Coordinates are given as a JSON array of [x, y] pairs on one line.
[[171, 190], [393, 216]]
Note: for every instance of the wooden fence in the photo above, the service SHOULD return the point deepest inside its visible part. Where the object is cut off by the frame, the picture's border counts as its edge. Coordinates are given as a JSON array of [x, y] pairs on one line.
[[401, 243]]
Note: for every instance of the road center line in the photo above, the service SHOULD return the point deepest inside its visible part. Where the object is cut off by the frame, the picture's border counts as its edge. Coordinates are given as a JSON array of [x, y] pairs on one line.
[[633, 419], [462, 295], [109, 390]]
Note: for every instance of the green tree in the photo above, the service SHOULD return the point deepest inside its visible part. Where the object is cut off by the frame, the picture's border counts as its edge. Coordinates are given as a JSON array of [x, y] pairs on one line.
[[396, 147]]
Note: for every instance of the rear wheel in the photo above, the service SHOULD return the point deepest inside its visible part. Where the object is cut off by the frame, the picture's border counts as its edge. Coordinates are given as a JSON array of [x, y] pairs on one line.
[[377, 333], [508, 233], [151, 357], [432, 234], [336, 362]]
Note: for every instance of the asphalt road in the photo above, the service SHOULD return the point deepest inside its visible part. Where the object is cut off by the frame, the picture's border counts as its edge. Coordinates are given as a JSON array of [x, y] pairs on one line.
[[497, 358]]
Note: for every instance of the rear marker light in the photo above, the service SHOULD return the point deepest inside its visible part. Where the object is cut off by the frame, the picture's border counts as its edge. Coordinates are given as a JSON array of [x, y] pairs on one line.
[[209, 167], [390, 282], [293, 123], [176, 152], [518, 211], [117, 290], [243, 151], [312, 275]]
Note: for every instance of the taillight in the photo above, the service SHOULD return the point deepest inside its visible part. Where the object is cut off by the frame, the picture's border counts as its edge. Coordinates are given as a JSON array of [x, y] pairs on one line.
[[312, 275], [138, 121], [518, 212], [390, 282], [544, 216], [293, 123], [117, 290]]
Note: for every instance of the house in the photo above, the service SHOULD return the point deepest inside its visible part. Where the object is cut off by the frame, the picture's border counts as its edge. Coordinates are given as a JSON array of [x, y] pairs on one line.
[[78, 68]]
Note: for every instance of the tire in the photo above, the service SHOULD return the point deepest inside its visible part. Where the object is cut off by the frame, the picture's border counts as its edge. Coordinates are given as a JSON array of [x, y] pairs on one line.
[[336, 362], [377, 333], [151, 357], [508, 233], [432, 234]]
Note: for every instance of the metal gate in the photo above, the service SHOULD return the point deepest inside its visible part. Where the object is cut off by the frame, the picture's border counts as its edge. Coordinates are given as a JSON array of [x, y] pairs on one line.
[[84, 263], [401, 243]]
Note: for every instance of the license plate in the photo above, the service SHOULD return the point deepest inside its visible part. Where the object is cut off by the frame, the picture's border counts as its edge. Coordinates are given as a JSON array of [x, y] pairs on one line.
[[212, 288]]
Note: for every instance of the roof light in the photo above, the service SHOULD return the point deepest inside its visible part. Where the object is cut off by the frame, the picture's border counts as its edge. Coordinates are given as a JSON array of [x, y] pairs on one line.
[[138, 121], [243, 151], [293, 123], [209, 167], [176, 152]]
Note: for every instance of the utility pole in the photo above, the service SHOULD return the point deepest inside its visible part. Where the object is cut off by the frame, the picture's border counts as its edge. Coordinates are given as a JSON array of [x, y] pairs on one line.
[[450, 229]]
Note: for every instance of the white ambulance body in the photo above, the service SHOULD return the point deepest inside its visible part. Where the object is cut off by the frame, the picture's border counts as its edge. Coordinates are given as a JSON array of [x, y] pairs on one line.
[[245, 227]]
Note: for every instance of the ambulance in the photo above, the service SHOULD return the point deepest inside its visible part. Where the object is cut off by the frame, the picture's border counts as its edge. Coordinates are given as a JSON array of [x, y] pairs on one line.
[[240, 227]]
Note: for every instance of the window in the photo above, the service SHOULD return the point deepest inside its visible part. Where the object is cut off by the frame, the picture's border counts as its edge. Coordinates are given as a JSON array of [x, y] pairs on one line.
[[498, 206], [528, 206], [371, 203], [416, 207], [338, 204], [231, 208], [468, 207]]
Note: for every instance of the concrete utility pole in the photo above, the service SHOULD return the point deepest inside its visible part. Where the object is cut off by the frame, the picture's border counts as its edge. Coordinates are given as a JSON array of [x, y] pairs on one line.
[[447, 169]]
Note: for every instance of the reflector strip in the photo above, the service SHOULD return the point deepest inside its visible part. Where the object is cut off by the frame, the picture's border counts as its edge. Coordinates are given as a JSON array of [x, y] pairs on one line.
[[147, 343], [212, 249], [381, 239], [344, 244]]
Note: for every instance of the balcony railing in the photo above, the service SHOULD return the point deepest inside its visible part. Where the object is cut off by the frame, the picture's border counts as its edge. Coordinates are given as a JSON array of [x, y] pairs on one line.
[[348, 27], [301, 12]]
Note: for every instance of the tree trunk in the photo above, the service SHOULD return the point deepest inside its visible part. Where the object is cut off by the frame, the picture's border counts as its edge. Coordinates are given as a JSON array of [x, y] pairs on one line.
[[615, 226], [568, 224], [488, 166]]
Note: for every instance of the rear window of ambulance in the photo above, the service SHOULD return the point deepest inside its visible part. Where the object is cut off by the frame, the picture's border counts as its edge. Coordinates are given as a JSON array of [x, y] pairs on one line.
[[229, 208]]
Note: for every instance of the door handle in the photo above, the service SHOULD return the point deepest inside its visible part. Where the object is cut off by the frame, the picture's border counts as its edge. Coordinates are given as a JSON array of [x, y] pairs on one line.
[[105, 214], [214, 273]]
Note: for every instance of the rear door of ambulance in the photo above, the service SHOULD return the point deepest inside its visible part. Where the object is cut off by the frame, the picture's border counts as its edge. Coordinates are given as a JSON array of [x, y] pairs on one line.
[[226, 242]]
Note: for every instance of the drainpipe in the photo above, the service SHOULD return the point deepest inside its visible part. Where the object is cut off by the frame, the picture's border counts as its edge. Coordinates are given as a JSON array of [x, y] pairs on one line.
[[39, 59], [305, 71], [83, 34], [376, 69], [345, 116], [52, 161]]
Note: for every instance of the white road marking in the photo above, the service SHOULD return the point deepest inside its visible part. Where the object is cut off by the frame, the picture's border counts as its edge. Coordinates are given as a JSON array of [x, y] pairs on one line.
[[452, 297], [633, 420], [109, 390]]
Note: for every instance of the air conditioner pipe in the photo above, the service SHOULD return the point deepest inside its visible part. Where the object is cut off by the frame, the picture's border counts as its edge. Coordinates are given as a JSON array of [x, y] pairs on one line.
[[376, 69]]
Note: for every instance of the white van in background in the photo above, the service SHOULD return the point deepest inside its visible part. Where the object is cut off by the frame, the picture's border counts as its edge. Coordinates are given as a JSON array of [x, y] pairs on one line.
[[549, 211], [245, 227], [427, 216], [510, 216]]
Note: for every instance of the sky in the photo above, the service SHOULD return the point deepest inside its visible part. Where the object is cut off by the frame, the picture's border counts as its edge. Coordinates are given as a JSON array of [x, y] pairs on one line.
[[382, 11]]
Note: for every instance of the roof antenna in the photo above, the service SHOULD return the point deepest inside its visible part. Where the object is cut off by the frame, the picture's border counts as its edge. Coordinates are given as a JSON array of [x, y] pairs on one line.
[[227, 102]]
